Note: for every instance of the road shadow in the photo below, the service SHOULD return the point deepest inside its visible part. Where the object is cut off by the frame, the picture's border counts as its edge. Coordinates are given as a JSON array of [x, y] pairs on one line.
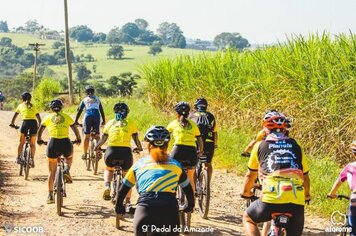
[[87, 211], [87, 178]]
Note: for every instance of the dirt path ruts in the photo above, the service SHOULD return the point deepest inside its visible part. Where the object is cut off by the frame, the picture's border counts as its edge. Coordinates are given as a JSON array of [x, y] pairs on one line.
[[23, 203]]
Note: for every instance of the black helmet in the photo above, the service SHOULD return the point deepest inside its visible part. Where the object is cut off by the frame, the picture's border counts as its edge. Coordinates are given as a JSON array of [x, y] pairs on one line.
[[56, 105], [201, 104], [182, 108], [122, 108], [157, 136], [26, 96], [89, 89]]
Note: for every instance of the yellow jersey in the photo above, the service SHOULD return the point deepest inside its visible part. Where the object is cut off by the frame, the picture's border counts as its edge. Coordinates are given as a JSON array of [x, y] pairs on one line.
[[58, 125], [184, 135], [120, 132], [26, 112]]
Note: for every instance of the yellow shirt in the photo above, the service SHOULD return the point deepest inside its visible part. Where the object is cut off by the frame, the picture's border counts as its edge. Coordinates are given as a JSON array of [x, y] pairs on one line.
[[120, 132], [184, 135], [27, 113], [58, 125], [260, 136]]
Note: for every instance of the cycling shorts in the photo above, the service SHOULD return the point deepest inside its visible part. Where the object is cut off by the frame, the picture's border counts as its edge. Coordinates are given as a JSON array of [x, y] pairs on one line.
[[209, 148], [29, 125], [259, 212], [57, 147], [118, 153], [91, 122], [185, 155], [158, 217]]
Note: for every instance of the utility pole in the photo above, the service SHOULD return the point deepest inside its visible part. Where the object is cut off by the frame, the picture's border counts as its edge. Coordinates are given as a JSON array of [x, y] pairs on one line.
[[70, 80], [36, 47]]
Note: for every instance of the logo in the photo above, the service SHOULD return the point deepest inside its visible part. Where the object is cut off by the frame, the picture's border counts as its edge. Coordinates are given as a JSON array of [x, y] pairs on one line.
[[8, 227], [338, 218], [57, 119], [281, 158]]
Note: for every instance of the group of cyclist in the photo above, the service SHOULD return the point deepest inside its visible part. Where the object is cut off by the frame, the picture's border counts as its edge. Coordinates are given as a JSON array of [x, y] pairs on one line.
[[276, 159]]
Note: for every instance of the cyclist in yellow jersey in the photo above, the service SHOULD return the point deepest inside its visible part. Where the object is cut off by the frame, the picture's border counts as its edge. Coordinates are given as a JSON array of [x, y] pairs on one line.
[[156, 177], [284, 170], [58, 124], [185, 133], [29, 114], [118, 132]]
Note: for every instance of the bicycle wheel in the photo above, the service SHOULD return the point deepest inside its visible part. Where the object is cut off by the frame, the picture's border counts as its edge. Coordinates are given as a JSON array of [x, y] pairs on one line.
[[58, 185], [88, 158], [117, 184], [27, 162], [93, 156], [203, 194], [181, 204]]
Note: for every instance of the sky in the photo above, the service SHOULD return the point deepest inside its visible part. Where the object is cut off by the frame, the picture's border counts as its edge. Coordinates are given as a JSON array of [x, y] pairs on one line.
[[260, 21]]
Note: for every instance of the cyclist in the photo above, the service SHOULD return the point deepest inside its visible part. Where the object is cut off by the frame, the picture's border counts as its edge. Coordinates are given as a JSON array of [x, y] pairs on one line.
[[58, 124], [156, 177], [91, 120], [208, 130], [261, 135], [118, 132], [349, 174], [285, 181], [185, 133], [2, 99], [29, 114]]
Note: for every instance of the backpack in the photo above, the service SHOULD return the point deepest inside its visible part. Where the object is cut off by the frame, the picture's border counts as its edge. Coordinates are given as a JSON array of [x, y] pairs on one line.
[[206, 124]]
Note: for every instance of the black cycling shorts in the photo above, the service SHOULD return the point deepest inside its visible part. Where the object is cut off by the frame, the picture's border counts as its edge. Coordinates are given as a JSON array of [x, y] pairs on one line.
[[29, 125], [118, 153], [57, 147], [91, 122], [185, 155], [260, 211], [150, 217], [209, 148]]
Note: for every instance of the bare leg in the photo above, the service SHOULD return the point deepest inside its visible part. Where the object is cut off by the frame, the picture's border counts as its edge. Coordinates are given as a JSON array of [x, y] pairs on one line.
[[266, 227], [33, 145], [191, 177], [128, 196], [52, 167], [21, 143], [251, 228], [86, 143]]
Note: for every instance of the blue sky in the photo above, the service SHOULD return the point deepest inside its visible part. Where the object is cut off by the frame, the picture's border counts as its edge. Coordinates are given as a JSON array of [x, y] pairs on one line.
[[260, 21]]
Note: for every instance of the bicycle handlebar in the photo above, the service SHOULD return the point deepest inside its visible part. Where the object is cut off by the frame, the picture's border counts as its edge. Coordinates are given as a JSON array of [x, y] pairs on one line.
[[245, 154], [340, 197]]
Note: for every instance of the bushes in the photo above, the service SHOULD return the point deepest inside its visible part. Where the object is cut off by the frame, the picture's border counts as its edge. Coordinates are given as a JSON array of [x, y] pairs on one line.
[[45, 92]]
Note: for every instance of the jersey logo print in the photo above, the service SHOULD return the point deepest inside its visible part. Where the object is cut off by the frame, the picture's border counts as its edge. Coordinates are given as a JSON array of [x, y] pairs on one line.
[[281, 159], [57, 119]]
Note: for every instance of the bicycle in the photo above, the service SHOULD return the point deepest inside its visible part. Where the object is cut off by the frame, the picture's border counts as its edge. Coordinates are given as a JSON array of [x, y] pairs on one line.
[[345, 224], [92, 160], [59, 182], [26, 154], [202, 186]]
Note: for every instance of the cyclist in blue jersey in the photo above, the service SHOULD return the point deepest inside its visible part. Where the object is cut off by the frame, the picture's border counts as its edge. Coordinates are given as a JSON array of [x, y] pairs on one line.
[[91, 120]]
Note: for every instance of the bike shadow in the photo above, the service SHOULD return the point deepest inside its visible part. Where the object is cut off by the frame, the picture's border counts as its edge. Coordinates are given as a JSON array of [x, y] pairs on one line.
[[87, 212], [225, 218]]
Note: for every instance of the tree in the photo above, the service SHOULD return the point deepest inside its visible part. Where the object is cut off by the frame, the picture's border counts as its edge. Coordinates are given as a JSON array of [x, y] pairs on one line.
[[81, 33], [113, 35], [141, 24], [179, 41], [115, 51], [5, 42], [89, 57], [57, 44], [230, 40], [60, 55], [167, 31], [131, 29], [3, 27], [83, 73], [123, 84], [99, 38], [32, 26], [155, 49]]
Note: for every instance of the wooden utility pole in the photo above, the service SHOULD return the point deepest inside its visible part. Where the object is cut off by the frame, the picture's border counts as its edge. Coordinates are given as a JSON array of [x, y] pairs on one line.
[[36, 47], [70, 80]]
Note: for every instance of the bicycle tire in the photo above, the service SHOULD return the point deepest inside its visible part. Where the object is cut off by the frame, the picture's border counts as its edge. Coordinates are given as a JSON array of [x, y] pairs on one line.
[[27, 162], [88, 158], [181, 204], [117, 185], [94, 157], [59, 195], [204, 194]]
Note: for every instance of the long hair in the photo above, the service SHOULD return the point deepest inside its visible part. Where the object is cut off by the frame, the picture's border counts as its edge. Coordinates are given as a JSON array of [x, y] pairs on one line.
[[28, 103], [159, 154], [183, 120]]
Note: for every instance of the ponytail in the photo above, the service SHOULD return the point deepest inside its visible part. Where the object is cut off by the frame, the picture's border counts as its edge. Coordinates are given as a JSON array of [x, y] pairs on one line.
[[158, 154], [183, 120], [28, 103]]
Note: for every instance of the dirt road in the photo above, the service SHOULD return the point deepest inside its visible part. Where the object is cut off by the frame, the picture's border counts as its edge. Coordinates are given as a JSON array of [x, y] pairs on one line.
[[23, 203]]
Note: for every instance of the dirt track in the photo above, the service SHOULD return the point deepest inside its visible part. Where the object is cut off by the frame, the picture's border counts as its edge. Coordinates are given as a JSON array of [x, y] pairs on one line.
[[23, 203]]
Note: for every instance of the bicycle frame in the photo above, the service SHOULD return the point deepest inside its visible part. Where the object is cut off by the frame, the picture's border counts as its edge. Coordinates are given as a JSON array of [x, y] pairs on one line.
[[202, 187], [279, 223]]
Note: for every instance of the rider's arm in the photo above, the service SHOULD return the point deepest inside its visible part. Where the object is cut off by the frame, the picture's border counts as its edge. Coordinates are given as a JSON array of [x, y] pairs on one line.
[[200, 144], [258, 138], [80, 110], [306, 186], [103, 139], [40, 131], [335, 187], [249, 181], [76, 132], [187, 188], [38, 118], [137, 141], [102, 113], [215, 139], [14, 118]]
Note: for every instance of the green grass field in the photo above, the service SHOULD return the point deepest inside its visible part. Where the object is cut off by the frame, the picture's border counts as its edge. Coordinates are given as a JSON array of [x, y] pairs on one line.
[[134, 56]]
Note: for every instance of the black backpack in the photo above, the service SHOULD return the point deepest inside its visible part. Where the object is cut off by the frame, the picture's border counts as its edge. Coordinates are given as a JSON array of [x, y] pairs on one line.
[[206, 124]]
